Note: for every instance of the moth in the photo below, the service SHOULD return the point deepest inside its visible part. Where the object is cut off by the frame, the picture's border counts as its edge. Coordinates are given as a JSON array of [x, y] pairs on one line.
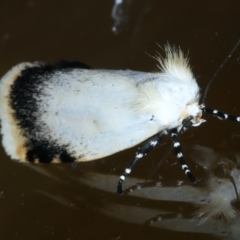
[[68, 112], [214, 203]]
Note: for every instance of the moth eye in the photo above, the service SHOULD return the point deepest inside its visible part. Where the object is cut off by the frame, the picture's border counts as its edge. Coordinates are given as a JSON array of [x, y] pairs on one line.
[[186, 123]]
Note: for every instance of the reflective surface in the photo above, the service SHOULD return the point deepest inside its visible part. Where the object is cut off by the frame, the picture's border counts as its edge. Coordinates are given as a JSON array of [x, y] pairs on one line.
[[66, 202]]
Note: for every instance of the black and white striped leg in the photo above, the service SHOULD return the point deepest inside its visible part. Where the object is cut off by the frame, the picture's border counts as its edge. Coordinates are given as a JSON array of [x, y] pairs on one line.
[[148, 146], [221, 115], [179, 154]]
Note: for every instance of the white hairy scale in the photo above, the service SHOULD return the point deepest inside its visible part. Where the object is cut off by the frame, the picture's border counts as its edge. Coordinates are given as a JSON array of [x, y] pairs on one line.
[[96, 113]]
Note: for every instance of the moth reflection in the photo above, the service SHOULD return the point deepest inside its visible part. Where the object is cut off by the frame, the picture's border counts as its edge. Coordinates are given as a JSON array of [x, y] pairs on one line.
[[211, 207]]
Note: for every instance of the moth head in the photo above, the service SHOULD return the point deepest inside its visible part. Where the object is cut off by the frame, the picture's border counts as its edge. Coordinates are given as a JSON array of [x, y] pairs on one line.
[[194, 111]]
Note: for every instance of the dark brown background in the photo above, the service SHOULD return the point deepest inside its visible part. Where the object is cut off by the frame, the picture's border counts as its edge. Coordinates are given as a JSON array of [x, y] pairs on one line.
[[57, 205]]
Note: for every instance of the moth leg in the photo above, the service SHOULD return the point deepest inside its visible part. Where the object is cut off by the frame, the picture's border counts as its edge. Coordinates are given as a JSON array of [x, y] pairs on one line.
[[179, 155], [221, 115], [148, 146]]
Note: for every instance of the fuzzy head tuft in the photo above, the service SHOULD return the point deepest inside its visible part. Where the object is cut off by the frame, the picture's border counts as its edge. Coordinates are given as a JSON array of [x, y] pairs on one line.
[[175, 63]]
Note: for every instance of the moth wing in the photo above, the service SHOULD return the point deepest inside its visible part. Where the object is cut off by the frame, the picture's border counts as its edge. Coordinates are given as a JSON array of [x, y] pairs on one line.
[[91, 112], [70, 114]]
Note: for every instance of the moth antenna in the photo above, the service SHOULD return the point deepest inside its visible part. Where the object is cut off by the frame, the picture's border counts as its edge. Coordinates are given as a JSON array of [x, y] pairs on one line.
[[219, 69]]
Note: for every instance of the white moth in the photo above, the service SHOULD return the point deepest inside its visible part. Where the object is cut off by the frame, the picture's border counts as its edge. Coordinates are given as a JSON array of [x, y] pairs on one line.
[[68, 112], [51, 113]]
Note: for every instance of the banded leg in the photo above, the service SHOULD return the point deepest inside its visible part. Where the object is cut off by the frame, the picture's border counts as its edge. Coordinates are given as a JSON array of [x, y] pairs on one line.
[[221, 115], [179, 155], [148, 146]]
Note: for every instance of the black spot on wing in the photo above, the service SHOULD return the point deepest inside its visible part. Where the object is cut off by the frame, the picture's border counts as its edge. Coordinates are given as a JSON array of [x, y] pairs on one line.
[[24, 100], [40, 151], [65, 157], [45, 152]]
